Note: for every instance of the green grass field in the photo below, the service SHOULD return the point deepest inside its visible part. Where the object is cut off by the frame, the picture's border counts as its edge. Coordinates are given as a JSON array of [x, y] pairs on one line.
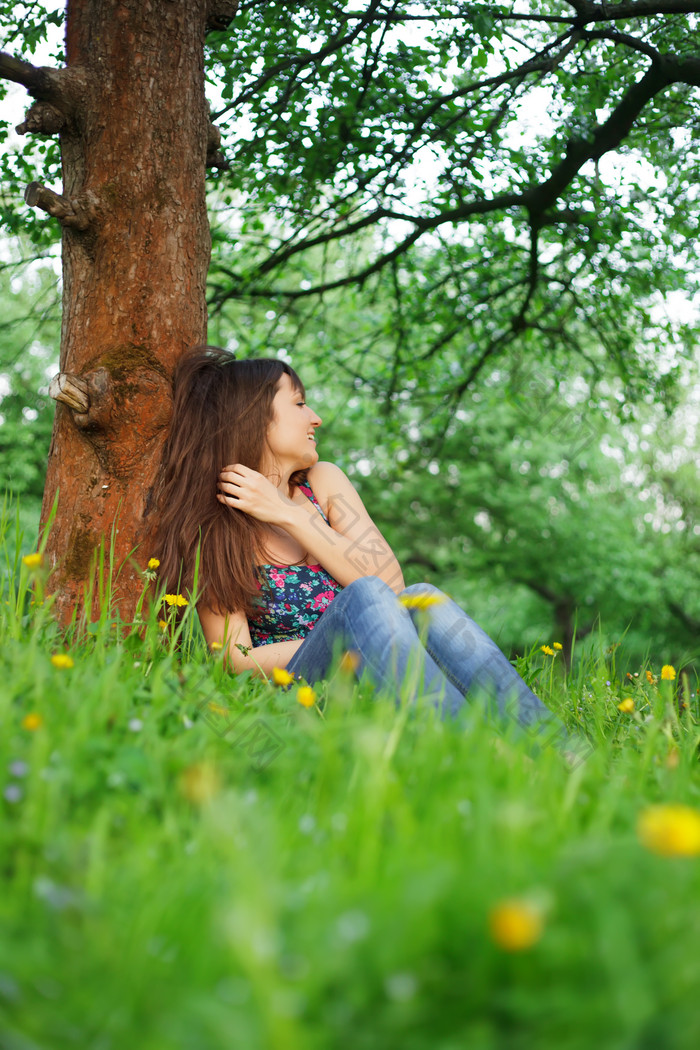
[[192, 860]]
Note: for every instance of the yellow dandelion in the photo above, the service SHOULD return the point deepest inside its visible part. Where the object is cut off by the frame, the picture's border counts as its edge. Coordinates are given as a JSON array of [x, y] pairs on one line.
[[199, 783], [306, 696], [556, 645], [421, 601], [668, 673], [515, 925], [163, 624], [216, 646], [32, 561], [153, 563], [281, 677], [547, 650], [671, 830], [63, 661], [175, 599], [349, 661], [626, 705], [218, 709], [32, 721]]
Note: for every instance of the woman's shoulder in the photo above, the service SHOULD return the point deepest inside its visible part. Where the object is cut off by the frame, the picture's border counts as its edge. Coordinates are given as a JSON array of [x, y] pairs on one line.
[[330, 485], [326, 479], [323, 472]]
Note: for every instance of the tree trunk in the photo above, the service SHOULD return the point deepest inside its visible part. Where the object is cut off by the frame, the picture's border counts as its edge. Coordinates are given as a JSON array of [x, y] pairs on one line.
[[135, 256]]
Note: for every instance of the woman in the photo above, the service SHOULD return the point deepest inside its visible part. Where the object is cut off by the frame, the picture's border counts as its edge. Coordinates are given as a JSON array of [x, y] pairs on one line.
[[289, 568]]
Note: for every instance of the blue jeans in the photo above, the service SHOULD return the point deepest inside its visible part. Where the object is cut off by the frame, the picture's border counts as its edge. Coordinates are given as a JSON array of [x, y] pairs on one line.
[[438, 653]]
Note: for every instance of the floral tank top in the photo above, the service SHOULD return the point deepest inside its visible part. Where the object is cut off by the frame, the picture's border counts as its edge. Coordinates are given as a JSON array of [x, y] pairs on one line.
[[292, 597]]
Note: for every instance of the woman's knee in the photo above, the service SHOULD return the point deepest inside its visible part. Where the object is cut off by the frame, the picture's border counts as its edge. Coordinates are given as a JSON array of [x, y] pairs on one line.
[[423, 588], [369, 588], [370, 600]]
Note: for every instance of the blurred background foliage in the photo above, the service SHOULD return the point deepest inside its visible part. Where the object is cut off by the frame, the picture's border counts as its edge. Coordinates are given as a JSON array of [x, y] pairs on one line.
[[510, 380], [540, 509]]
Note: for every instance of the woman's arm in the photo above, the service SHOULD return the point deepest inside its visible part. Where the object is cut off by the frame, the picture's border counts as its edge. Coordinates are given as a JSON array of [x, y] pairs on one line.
[[231, 631], [351, 548]]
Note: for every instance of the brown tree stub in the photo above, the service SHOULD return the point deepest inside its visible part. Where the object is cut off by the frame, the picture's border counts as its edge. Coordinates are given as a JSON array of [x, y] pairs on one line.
[[216, 157], [79, 212], [220, 14], [70, 390], [43, 118], [134, 279]]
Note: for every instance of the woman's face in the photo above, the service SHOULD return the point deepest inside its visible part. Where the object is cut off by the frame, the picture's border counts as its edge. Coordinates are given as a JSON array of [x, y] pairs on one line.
[[290, 435]]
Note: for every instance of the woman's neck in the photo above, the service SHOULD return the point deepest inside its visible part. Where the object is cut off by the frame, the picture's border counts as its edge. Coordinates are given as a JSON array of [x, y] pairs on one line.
[[279, 477]]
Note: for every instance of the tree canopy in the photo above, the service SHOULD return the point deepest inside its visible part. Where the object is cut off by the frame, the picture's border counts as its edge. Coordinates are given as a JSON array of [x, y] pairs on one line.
[[496, 170], [427, 201]]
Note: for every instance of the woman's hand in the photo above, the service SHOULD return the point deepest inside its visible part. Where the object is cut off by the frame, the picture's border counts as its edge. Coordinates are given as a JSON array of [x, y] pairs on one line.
[[244, 489]]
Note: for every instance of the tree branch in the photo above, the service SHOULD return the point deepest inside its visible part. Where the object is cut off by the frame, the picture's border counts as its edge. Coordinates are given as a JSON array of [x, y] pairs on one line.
[[606, 137], [587, 11], [36, 79], [59, 93], [220, 14], [539, 199], [622, 38], [334, 44], [43, 118], [518, 323], [78, 212], [216, 158], [70, 390]]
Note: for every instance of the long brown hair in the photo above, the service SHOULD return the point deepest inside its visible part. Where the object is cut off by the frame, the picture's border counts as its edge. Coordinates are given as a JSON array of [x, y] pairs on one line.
[[221, 411]]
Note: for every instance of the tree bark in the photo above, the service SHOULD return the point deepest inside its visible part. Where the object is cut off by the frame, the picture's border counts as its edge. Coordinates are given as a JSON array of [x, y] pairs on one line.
[[134, 149]]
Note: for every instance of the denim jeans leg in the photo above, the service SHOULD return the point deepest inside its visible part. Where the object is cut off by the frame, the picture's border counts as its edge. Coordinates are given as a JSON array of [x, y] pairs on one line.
[[472, 661], [368, 618]]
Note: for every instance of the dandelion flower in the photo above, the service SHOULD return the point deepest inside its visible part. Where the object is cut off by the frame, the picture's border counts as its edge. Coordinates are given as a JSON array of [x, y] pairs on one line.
[[626, 705], [281, 677], [63, 661], [32, 561], [349, 661], [175, 599], [216, 646], [163, 624], [306, 696], [32, 721], [547, 650], [218, 709], [668, 673], [421, 601], [556, 645], [153, 563], [515, 925], [670, 830], [199, 783]]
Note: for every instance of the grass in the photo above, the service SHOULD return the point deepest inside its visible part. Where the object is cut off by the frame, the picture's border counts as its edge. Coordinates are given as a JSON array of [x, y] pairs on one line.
[[193, 860]]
